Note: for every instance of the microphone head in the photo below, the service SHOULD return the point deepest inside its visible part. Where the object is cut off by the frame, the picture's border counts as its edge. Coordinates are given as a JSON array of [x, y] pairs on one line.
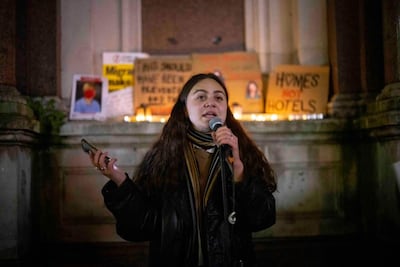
[[215, 123]]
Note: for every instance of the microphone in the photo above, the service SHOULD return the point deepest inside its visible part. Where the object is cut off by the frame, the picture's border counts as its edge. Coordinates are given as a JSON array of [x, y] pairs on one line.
[[215, 123]]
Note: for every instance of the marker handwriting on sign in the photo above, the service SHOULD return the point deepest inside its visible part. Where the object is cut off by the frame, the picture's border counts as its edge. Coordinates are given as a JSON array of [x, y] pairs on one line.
[[148, 66], [172, 78], [147, 78], [298, 80], [160, 100], [292, 106], [176, 67], [159, 81], [292, 85], [291, 93], [164, 66], [297, 89], [160, 89]]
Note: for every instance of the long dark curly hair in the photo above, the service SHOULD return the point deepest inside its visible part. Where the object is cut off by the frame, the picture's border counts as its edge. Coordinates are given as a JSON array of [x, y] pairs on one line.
[[164, 163]]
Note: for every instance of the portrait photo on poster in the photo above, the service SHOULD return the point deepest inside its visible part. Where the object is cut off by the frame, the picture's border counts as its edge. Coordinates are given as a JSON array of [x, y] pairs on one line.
[[253, 90], [89, 93]]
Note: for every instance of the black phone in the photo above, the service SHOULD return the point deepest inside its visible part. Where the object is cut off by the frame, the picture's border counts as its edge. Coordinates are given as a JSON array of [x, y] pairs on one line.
[[90, 148]]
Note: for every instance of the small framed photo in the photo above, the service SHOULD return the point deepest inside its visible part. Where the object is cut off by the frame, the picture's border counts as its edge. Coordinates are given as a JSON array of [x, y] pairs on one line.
[[88, 100]]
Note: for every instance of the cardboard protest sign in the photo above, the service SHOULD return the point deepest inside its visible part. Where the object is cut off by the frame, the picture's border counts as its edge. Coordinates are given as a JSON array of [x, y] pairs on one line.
[[242, 76], [297, 90], [159, 81]]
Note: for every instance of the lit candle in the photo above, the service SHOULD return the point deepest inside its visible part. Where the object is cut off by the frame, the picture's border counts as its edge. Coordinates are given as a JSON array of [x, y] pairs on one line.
[[237, 110], [127, 118], [147, 113], [140, 113]]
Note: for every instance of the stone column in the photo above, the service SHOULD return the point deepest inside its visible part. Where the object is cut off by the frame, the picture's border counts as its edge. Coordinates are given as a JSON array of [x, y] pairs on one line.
[[391, 50], [7, 42], [256, 31], [281, 35], [312, 32], [344, 40], [391, 40], [379, 157], [131, 23], [17, 134], [268, 28], [384, 112], [371, 49]]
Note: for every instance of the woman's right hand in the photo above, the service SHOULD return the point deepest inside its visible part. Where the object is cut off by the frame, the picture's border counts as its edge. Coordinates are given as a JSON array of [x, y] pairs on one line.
[[108, 169]]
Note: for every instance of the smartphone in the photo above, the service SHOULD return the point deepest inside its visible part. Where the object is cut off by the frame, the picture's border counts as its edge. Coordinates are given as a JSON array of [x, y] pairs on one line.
[[89, 148]]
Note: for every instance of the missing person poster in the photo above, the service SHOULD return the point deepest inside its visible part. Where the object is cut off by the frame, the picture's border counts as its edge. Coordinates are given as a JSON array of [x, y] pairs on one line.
[[241, 73], [297, 90], [159, 81], [89, 94]]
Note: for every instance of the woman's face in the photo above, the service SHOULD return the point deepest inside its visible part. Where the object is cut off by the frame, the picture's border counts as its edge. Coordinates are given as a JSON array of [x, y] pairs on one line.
[[89, 92], [206, 100], [252, 89]]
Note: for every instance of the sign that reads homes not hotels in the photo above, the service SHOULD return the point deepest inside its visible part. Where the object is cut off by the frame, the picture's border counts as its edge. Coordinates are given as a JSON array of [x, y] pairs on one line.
[[297, 90]]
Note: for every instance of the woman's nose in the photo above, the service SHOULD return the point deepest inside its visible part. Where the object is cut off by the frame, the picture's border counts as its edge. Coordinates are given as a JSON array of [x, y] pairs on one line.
[[209, 103]]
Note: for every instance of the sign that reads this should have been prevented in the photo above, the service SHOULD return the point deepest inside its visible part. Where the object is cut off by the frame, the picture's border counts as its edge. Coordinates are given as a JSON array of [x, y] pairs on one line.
[[159, 81], [295, 89]]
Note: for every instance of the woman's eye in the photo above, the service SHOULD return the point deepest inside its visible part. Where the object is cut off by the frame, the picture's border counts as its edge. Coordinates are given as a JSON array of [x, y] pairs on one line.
[[219, 98]]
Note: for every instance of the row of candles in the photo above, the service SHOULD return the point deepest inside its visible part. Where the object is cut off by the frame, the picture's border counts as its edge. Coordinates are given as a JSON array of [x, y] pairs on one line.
[[144, 114]]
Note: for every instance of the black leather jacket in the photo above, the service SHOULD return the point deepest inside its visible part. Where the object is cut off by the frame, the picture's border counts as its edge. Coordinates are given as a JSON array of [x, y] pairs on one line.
[[169, 221]]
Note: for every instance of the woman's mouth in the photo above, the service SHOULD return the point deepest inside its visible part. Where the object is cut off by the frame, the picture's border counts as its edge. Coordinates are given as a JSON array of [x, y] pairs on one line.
[[210, 114]]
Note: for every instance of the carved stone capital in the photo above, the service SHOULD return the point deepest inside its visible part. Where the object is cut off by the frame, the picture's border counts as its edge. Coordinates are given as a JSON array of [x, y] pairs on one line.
[[344, 106], [15, 114]]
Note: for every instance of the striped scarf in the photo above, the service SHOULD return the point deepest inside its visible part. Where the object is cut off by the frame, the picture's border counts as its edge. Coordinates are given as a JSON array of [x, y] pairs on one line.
[[205, 141]]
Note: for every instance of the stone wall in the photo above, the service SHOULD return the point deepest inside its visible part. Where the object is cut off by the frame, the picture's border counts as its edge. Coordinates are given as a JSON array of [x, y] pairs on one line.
[[314, 162]]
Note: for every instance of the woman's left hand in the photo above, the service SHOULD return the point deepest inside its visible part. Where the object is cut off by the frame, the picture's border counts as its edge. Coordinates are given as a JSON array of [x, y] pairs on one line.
[[224, 136]]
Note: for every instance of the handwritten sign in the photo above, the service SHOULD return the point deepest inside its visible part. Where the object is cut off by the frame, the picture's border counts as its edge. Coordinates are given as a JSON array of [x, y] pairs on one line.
[[242, 76], [295, 89], [159, 81], [120, 103]]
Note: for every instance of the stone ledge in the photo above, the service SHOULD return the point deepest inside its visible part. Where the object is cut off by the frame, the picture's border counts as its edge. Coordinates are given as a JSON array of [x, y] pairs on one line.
[[379, 120], [72, 128]]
